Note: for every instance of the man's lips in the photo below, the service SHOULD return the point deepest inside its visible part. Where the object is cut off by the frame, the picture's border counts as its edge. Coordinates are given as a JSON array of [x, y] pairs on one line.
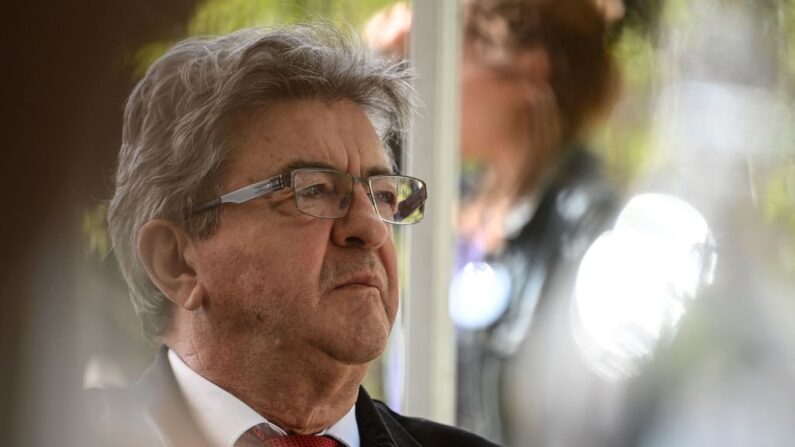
[[362, 281]]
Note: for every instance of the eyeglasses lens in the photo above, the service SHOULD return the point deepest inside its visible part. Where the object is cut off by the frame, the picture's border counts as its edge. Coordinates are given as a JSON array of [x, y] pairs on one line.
[[399, 199], [327, 194]]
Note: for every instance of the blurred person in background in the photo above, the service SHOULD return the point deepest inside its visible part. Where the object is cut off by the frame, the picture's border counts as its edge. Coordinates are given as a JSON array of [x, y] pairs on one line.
[[252, 220], [536, 76]]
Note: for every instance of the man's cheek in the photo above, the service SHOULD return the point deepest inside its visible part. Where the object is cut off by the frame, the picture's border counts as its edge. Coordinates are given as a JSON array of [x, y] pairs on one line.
[[389, 259]]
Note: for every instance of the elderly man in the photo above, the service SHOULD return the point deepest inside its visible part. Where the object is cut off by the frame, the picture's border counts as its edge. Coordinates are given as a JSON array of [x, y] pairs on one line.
[[252, 219]]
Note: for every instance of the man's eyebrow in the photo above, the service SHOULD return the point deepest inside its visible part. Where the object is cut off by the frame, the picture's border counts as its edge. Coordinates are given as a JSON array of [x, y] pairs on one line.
[[378, 170], [300, 164]]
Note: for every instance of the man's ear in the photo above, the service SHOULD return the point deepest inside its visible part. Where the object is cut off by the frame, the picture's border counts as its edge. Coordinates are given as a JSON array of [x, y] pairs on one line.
[[169, 257]]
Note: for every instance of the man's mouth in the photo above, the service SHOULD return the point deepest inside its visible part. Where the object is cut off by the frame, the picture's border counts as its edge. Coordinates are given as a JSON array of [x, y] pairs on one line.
[[361, 281]]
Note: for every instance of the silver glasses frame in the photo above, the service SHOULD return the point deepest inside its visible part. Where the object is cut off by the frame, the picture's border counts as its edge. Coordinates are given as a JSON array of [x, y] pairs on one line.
[[285, 180]]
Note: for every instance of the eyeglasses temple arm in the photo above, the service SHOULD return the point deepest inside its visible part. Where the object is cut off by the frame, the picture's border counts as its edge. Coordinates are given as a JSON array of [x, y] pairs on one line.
[[244, 194], [206, 206]]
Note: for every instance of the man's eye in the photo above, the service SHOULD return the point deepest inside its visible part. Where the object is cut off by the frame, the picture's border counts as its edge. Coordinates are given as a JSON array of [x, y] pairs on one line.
[[317, 190], [387, 197]]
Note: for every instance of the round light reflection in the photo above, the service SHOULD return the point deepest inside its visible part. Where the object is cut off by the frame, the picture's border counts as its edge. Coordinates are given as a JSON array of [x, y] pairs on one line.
[[479, 294], [634, 282]]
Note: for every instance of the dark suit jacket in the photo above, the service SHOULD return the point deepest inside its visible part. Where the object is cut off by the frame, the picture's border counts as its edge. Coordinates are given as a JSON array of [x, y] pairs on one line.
[[153, 412]]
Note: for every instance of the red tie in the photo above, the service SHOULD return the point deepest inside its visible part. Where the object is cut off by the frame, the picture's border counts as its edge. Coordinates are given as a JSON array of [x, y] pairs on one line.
[[303, 441], [257, 436]]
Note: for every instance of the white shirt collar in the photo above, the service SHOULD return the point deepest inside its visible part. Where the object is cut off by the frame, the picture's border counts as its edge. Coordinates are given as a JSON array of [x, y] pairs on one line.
[[223, 418]]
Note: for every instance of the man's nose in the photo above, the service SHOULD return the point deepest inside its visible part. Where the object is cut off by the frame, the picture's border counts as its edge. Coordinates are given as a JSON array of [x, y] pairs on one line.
[[362, 226]]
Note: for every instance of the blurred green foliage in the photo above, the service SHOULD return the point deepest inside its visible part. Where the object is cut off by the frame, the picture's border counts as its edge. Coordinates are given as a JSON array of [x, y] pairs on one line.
[[224, 16], [786, 28], [780, 192], [216, 17], [624, 143], [778, 203], [95, 231]]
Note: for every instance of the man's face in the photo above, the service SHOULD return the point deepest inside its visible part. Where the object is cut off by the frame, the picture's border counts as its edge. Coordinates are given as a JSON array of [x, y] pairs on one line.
[[279, 279]]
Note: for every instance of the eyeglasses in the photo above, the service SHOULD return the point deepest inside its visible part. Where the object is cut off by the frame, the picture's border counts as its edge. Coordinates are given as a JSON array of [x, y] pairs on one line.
[[327, 194]]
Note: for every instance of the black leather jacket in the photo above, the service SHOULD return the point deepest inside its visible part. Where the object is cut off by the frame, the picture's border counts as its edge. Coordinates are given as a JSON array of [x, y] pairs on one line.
[[575, 208]]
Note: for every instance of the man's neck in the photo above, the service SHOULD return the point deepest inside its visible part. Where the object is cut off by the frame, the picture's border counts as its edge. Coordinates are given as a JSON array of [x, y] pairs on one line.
[[302, 394]]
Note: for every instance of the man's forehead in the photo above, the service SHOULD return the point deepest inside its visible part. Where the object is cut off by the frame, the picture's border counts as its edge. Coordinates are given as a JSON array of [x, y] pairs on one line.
[[311, 133]]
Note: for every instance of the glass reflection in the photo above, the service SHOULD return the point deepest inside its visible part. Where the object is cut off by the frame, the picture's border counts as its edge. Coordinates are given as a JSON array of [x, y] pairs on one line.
[[635, 282], [479, 295]]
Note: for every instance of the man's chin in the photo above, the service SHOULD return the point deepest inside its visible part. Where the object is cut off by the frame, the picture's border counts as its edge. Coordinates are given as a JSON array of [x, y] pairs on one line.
[[359, 352]]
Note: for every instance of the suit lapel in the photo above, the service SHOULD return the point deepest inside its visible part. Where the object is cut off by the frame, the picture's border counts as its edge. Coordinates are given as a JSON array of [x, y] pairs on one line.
[[378, 428]]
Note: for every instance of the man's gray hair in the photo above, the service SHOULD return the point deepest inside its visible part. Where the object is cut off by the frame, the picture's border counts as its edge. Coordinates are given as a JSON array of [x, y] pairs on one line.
[[187, 114]]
